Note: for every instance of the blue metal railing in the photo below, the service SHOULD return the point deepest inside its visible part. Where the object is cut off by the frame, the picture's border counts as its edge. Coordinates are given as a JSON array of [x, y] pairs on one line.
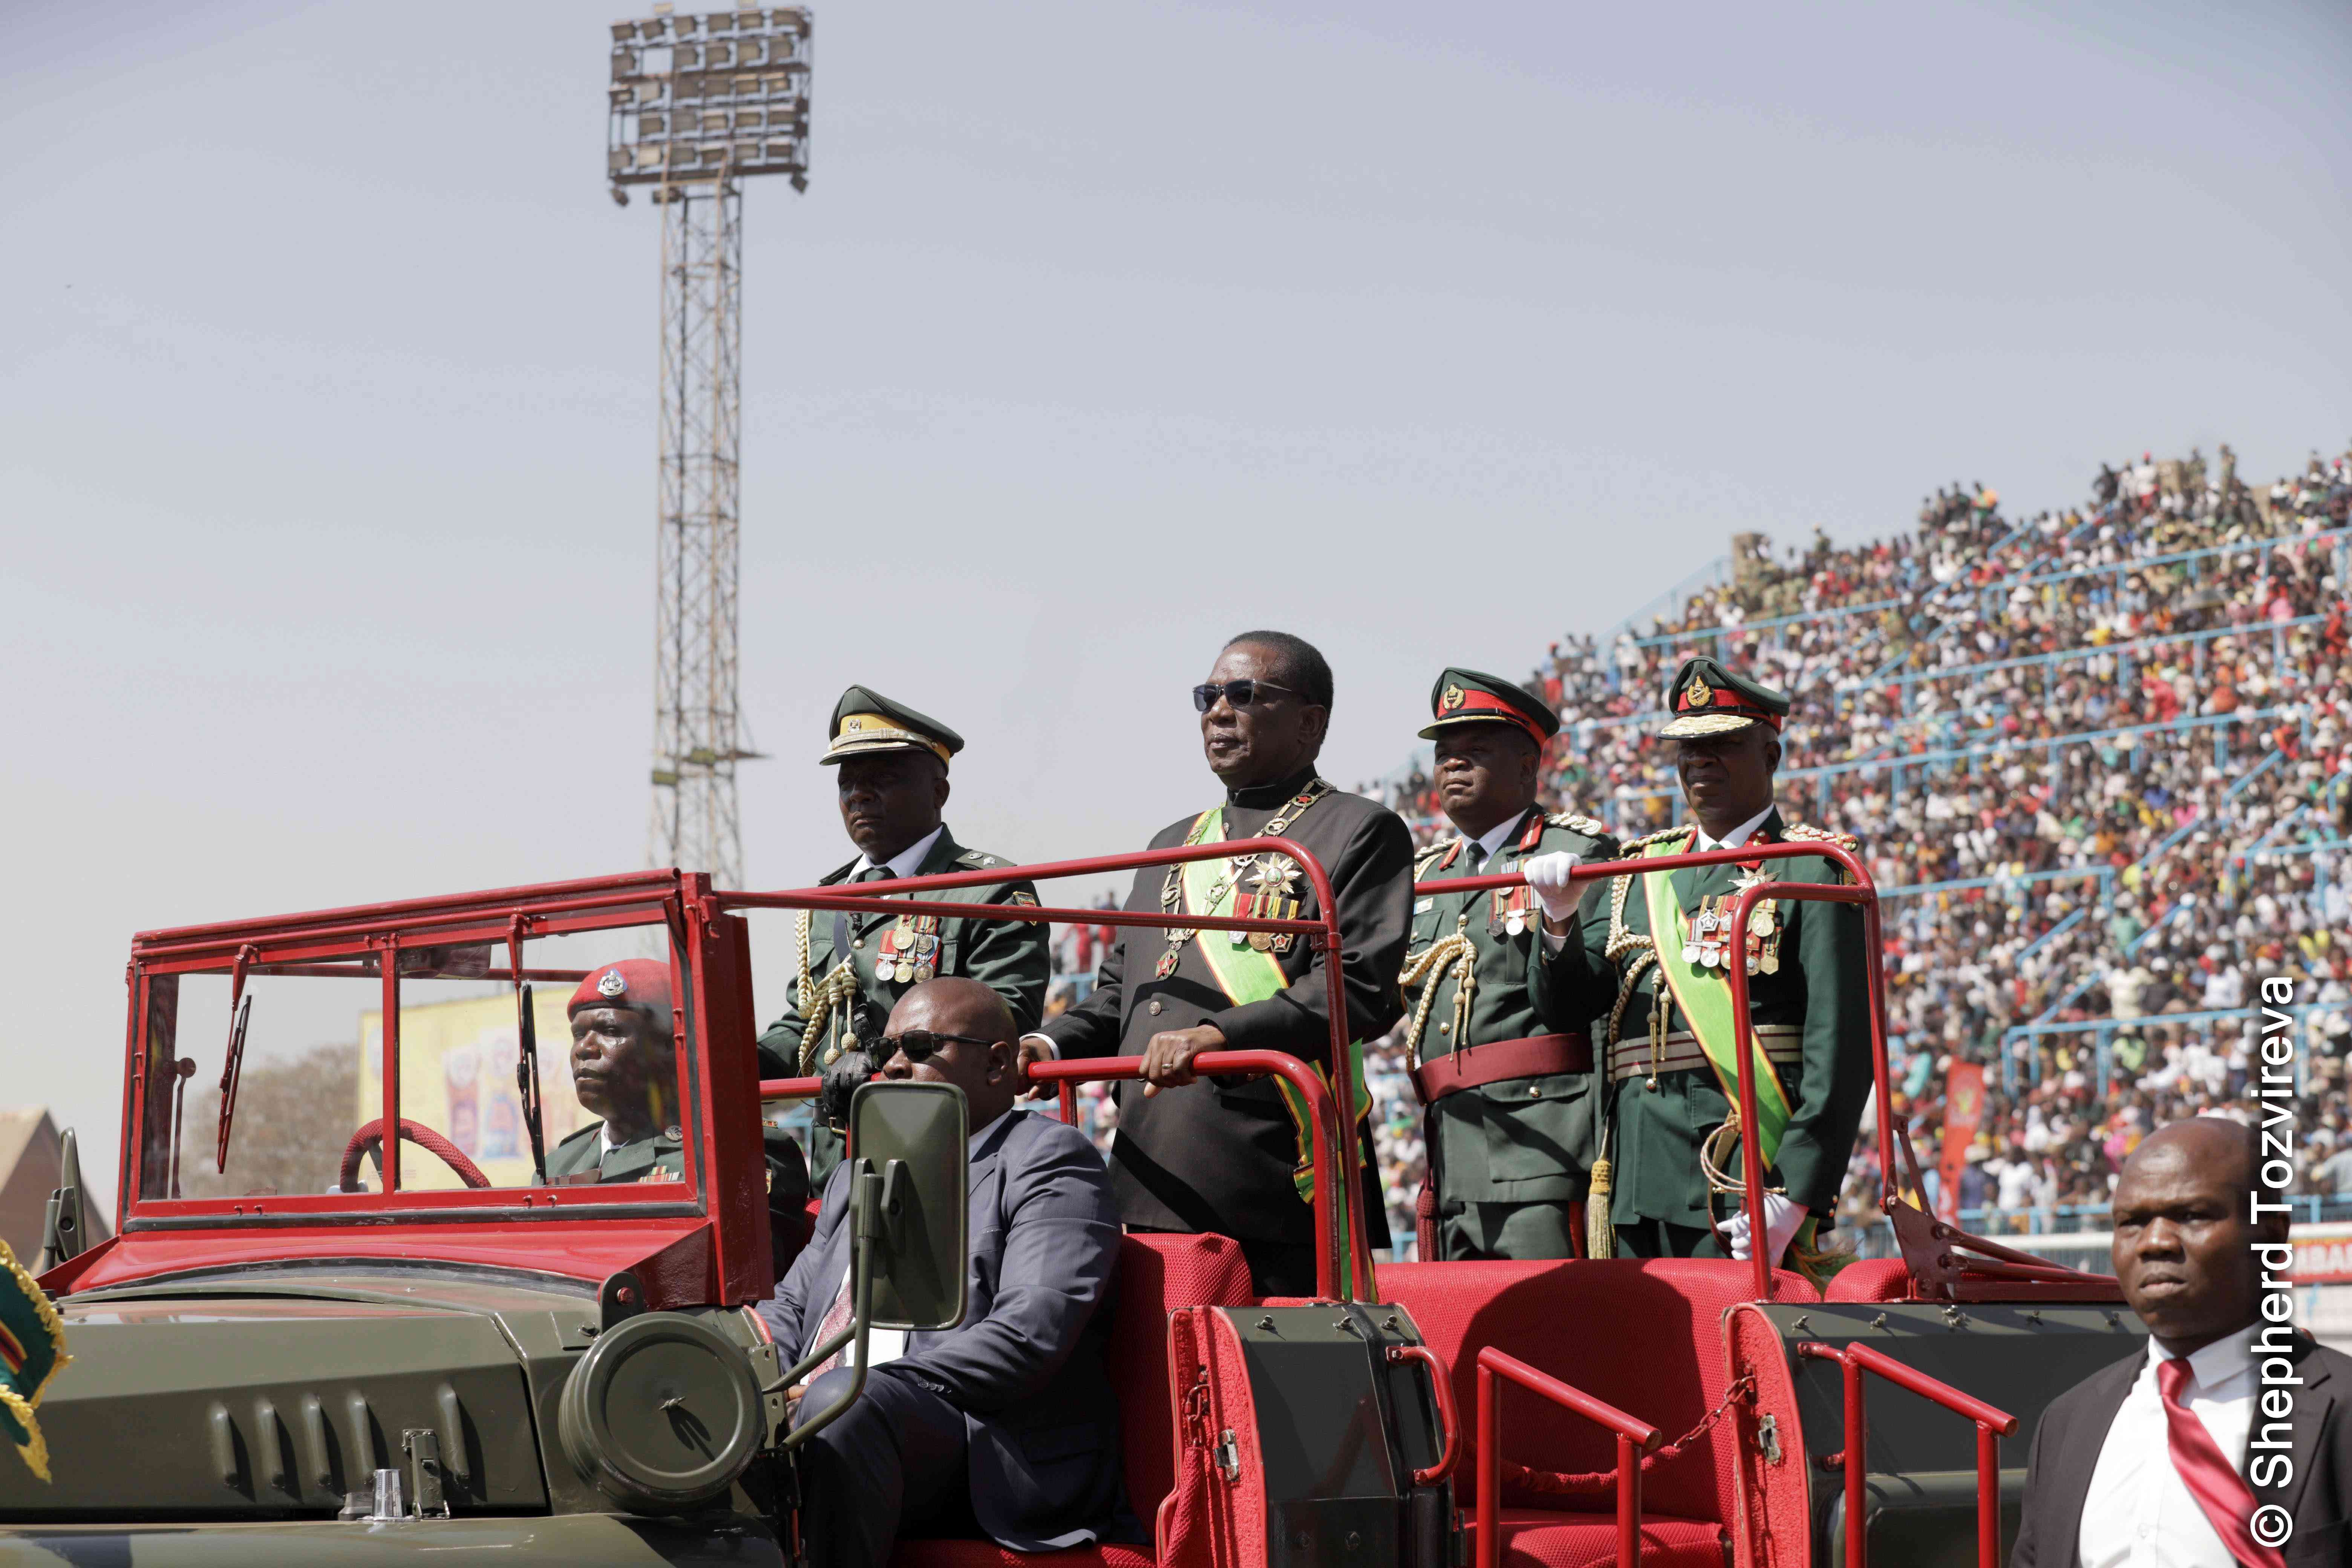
[[2338, 536], [2180, 906], [2124, 652], [2007, 746], [1716, 633]]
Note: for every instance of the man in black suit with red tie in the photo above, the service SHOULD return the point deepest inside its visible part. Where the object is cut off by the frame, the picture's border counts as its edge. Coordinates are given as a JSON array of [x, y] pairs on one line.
[[2230, 1440]]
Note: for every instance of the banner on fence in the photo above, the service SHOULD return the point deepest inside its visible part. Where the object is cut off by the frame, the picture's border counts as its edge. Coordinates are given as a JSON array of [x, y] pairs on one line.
[[1963, 1114]]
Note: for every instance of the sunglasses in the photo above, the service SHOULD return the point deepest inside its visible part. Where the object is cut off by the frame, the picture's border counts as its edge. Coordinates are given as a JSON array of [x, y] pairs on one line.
[[921, 1044], [1239, 693]]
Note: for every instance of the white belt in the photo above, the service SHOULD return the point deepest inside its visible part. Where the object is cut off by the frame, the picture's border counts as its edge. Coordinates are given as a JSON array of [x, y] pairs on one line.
[[1633, 1057]]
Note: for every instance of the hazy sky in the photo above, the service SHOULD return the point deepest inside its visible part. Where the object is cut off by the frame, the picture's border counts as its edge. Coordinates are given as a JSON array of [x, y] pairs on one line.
[[1103, 331]]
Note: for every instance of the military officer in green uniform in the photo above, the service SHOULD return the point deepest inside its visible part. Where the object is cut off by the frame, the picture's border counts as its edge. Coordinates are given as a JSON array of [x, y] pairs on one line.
[[852, 969], [1647, 956], [1508, 1087], [625, 1071]]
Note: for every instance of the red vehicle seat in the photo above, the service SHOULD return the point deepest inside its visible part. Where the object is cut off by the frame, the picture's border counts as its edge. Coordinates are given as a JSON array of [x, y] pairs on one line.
[[988, 1554], [1539, 1538], [1871, 1280], [1654, 1349], [1156, 1274]]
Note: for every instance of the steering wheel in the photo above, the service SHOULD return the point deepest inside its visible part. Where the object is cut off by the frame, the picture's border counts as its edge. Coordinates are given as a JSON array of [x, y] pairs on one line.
[[371, 1136]]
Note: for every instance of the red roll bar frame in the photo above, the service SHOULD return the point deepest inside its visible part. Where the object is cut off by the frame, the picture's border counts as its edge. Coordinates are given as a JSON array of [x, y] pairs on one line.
[[1338, 1102], [1635, 1438], [1992, 1424]]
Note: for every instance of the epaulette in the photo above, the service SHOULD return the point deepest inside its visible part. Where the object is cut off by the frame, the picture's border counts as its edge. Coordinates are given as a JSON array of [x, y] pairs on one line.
[[570, 1137], [978, 859], [1018, 897], [1660, 836], [1819, 835], [1423, 857], [1576, 823], [835, 875]]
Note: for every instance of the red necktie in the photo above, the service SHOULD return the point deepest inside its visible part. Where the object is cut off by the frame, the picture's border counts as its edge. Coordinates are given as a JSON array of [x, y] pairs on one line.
[[837, 1317], [2216, 1485]]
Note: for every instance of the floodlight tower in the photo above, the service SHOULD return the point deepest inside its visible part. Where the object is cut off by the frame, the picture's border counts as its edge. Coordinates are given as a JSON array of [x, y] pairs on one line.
[[699, 104]]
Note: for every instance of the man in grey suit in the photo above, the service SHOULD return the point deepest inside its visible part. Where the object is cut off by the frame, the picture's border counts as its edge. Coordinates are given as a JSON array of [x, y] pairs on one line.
[[1005, 1427], [2229, 1440]]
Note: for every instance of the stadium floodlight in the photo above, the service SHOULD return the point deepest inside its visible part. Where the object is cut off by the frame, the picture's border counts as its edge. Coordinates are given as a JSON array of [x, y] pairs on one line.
[[697, 105], [685, 88]]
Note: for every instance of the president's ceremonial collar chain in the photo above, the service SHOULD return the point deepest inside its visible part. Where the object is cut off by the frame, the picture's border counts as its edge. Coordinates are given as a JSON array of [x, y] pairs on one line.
[[1172, 890]]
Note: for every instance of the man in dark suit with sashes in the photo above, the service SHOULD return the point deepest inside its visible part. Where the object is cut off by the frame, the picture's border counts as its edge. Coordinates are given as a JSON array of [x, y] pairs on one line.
[[1231, 1156]]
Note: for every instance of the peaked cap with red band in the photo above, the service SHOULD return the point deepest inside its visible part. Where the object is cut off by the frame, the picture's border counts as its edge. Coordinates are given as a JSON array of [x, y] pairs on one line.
[[640, 983], [1707, 699], [1473, 697]]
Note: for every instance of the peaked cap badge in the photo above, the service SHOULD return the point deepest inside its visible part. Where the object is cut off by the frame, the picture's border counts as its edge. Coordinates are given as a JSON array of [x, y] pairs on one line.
[[1698, 694], [1452, 698], [610, 984]]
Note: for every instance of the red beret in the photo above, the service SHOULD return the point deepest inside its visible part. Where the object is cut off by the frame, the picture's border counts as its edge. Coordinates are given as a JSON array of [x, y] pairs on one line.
[[632, 983]]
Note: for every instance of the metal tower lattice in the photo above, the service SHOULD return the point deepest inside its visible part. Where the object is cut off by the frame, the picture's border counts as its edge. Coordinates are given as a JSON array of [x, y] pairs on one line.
[[699, 104], [698, 729]]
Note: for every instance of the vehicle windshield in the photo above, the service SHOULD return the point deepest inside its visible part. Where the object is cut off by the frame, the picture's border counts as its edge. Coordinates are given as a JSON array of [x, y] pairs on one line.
[[293, 1040]]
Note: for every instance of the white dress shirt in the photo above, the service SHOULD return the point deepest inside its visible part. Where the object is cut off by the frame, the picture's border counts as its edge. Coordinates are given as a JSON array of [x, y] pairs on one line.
[[1737, 838], [2139, 1513], [902, 864], [1490, 842]]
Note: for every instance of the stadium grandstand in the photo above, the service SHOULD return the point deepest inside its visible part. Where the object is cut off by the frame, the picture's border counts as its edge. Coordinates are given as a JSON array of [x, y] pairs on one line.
[[2097, 760]]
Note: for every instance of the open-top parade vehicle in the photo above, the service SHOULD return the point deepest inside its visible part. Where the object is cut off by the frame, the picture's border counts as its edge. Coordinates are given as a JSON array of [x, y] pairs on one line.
[[444, 1357]]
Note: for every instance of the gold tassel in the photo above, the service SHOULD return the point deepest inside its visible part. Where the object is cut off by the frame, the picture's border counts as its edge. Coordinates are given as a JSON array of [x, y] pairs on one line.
[[1599, 1235]]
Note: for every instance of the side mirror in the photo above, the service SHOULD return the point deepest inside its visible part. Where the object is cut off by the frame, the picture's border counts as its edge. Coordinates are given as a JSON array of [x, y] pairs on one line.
[[909, 1155], [914, 1137], [62, 1232]]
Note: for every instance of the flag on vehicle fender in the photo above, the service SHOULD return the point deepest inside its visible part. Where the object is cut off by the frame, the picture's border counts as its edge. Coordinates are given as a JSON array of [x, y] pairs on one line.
[[32, 1349]]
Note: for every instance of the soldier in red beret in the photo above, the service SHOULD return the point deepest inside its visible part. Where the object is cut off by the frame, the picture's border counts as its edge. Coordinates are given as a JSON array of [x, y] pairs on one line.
[[624, 1070]]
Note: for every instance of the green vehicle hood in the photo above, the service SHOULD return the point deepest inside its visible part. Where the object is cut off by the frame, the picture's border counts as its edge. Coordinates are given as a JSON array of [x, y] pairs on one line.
[[274, 1395], [568, 1540]]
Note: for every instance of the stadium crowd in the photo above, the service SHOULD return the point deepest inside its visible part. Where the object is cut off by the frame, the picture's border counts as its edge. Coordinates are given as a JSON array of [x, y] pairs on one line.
[[2097, 759]]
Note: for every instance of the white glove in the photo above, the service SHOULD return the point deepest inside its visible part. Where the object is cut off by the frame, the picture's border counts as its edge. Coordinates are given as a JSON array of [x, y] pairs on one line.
[[1548, 875], [1782, 1219]]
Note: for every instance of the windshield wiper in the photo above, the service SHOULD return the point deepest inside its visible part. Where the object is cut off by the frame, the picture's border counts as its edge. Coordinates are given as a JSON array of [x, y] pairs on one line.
[[526, 1087], [240, 1012], [526, 1056]]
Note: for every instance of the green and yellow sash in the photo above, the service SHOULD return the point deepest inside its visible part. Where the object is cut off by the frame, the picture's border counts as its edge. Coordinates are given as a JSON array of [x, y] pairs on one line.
[[1704, 1000], [1247, 975]]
